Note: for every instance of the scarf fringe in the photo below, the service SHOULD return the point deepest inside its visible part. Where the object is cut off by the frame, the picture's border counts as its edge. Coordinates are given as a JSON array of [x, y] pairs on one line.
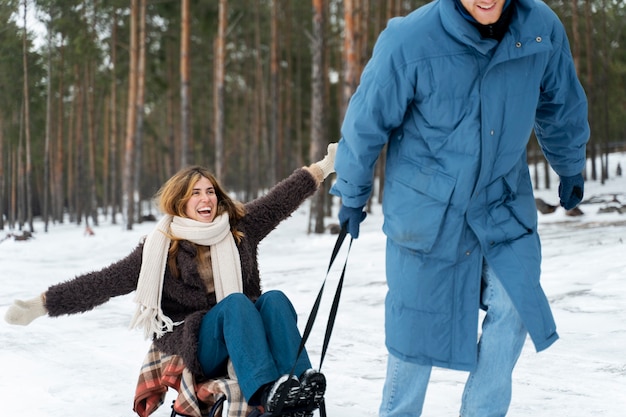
[[153, 322]]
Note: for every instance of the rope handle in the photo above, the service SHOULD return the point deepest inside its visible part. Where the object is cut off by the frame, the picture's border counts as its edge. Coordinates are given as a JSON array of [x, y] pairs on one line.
[[335, 305], [314, 310]]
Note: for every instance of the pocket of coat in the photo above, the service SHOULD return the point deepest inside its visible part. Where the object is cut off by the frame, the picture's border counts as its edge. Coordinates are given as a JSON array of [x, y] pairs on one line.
[[415, 203], [524, 209], [514, 214]]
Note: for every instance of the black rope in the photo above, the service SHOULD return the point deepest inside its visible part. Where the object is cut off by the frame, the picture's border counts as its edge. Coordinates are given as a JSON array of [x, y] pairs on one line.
[[312, 316]]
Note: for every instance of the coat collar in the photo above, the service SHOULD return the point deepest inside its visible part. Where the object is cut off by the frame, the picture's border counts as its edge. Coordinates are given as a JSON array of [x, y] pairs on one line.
[[525, 24]]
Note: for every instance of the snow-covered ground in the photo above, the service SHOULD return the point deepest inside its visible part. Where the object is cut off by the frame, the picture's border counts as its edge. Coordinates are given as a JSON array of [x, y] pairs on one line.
[[88, 364]]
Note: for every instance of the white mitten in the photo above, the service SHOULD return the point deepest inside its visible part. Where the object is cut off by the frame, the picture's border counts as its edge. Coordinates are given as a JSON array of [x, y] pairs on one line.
[[23, 312], [327, 165]]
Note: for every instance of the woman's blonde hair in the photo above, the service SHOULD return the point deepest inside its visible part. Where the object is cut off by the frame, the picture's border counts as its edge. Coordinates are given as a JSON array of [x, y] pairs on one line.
[[173, 196]]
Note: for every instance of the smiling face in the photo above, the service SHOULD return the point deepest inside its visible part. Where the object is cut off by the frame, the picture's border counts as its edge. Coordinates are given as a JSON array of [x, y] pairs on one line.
[[202, 205], [485, 12]]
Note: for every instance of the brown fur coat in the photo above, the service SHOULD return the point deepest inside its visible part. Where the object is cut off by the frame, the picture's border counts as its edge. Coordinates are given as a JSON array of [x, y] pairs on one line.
[[185, 298]]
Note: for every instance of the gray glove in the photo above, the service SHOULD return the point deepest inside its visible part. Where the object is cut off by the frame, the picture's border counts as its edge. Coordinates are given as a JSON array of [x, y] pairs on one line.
[[23, 312]]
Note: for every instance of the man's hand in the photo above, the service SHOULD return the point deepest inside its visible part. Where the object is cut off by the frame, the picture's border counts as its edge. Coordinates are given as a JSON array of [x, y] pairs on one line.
[[351, 217], [571, 191]]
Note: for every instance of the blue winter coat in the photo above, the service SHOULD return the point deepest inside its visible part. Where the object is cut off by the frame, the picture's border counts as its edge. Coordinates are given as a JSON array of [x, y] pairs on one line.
[[457, 112]]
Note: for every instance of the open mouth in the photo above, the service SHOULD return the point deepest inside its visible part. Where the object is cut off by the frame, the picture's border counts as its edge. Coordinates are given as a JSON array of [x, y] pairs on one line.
[[206, 211]]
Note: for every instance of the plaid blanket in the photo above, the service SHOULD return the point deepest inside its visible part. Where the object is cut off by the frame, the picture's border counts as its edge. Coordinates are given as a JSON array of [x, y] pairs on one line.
[[160, 372]]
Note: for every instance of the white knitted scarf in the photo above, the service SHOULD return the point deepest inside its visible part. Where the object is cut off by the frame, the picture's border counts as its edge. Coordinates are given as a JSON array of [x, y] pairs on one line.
[[224, 260]]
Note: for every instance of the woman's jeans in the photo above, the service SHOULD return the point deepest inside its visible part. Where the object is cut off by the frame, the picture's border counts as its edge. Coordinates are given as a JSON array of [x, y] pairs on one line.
[[261, 339], [488, 389]]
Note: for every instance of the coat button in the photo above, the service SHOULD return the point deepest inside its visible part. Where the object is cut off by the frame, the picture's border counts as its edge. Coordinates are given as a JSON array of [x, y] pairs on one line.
[[518, 44], [492, 132], [467, 253], [538, 39]]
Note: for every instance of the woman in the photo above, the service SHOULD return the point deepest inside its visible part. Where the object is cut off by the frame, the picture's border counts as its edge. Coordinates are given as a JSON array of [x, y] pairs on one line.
[[198, 289]]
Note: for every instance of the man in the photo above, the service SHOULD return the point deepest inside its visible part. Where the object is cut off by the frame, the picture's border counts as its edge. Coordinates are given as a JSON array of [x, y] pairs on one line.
[[454, 89]]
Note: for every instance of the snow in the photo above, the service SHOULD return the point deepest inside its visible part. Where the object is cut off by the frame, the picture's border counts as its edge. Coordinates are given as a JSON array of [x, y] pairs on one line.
[[88, 364]]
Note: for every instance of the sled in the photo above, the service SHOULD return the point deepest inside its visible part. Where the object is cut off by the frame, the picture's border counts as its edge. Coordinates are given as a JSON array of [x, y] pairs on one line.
[[160, 372], [211, 398]]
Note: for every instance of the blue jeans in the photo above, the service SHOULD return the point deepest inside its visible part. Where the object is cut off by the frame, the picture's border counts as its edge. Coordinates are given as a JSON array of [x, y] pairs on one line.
[[261, 339], [488, 388]]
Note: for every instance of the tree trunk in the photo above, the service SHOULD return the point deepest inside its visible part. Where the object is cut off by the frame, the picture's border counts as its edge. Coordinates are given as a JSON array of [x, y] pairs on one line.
[[91, 206], [77, 193], [140, 104], [287, 107], [590, 87], [185, 58], [29, 194], [274, 96], [575, 36], [59, 191], [48, 133], [318, 133], [258, 133], [363, 41], [298, 99], [218, 85], [606, 52], [393, 8], [21, 193], [350, 80], [15, 185], [71, 161], [172, 155], [131, 120], [113, 161]]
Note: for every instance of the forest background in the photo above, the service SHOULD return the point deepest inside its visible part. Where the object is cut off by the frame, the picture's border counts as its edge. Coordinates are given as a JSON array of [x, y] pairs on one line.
[[102, 100]]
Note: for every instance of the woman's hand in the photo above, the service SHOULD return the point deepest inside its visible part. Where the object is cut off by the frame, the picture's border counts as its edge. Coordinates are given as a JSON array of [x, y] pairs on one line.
[[23, 312], [323, 168]]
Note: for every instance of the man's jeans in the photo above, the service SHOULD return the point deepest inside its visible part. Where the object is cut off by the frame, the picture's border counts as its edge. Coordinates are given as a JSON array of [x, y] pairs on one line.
[[488, 389], [262, 340]]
